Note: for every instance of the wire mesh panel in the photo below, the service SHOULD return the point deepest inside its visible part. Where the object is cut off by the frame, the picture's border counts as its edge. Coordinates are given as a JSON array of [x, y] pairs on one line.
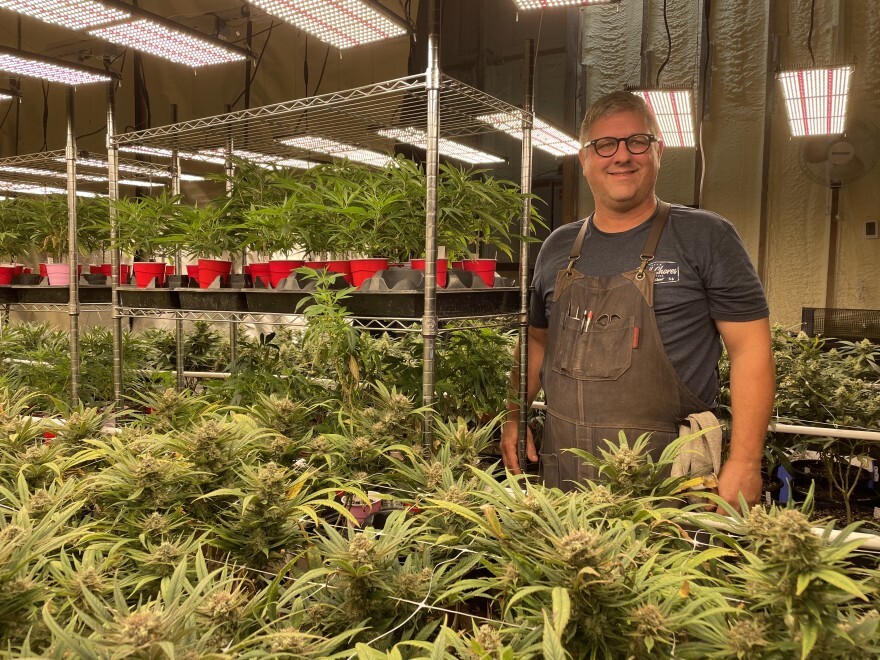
[[355, 117], [848, 324]]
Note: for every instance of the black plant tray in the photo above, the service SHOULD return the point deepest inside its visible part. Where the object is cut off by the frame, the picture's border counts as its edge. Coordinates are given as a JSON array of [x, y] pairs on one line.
[[8, 295], [213, 300], [396, 304], [134, 297], [58, 295]]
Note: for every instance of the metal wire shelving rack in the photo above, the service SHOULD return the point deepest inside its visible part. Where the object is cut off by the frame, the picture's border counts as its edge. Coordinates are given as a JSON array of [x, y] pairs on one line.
[[354, 117]]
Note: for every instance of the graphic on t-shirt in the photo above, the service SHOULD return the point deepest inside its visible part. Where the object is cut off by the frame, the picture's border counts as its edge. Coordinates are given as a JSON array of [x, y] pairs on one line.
[[664, 271]]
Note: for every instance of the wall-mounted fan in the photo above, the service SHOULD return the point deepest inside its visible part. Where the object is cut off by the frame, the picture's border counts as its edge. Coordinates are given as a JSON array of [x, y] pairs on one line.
[[835, 160]]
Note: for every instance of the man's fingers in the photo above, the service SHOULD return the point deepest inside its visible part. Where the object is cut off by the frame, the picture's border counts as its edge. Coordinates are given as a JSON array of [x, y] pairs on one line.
[[531, 452]]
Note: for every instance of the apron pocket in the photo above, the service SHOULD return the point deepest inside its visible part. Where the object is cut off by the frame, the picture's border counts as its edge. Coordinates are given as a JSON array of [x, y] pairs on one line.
[[600, 353]]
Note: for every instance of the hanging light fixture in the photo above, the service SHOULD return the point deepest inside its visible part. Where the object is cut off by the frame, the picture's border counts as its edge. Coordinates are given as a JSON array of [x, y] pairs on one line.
[[50, 174], [264, 160], [544, 136], [551, 4], [34, 189], [132, 169], [8, 95], [673, 110], [340, 23], [134, 28], [322, 145], [21, 63], [816, 99], [418, 138]]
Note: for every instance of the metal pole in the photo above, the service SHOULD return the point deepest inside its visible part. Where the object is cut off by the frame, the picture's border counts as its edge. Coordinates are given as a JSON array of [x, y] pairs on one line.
[[432, 166], [230, 172], [175, 190], [73, 302], [526, 189], [113, 192]]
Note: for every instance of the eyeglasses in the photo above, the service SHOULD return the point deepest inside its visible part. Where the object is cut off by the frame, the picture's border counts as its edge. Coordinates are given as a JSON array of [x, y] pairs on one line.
[[635, 144]]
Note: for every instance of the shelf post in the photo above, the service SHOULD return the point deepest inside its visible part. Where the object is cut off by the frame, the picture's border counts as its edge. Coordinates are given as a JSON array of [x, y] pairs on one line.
[[526, 189], [230, 172], [178, 260], [73, 301], [113, 193], [432, 166]]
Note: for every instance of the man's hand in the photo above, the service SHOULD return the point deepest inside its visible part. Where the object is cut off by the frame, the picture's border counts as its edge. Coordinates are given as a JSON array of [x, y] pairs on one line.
[[739, 477], [509, 432]]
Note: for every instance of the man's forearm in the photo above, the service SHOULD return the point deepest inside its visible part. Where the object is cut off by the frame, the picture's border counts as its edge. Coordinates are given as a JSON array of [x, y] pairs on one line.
[[533, 379], [752, 387]]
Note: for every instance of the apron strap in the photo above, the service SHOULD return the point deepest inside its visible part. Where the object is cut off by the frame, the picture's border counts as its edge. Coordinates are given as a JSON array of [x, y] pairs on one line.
[[578, 243], [653, 238]]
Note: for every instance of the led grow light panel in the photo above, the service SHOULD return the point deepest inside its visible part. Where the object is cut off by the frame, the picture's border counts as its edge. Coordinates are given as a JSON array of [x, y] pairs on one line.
[[266, 160], [335, 149], [544, 136], [6, 97], [72, 14], [32, 189], [50, 174], [31, 67], [173, 45], [340, 23], [673, 111], [816, 99], [450, 148], [550, 4]]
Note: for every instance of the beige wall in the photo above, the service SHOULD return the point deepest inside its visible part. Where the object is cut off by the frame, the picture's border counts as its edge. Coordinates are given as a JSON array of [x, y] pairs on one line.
[[797, 217]]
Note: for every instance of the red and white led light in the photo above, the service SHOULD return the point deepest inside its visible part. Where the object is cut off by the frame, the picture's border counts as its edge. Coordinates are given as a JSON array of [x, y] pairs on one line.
[[816, 99], [321, 145], [544, 136], [672, 109], [450, 148], [75, 15]]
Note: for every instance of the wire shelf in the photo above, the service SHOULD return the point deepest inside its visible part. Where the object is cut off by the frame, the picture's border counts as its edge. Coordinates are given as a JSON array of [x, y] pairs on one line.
[[367, 323], [59, 307], [49, 169], [352, 116]]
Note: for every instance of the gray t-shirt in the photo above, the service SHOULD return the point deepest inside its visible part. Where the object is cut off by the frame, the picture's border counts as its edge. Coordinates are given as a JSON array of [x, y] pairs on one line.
[[702, 274]]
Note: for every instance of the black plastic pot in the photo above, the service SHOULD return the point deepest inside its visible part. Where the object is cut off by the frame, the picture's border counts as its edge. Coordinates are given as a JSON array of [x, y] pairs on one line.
[[806, 472]]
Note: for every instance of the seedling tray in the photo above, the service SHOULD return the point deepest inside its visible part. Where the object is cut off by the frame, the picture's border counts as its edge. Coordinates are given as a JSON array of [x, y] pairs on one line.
[[212, 300], [134, 297], [58, 295]]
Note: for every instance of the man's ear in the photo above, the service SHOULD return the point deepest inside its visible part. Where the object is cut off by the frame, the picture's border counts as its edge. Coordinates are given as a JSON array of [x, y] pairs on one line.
[[582, 158]]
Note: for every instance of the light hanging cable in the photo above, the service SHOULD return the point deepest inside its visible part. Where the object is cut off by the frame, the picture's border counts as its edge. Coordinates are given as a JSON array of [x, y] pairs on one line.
[[29, 65], [449, 148], [544, 136], [134, 28], [321, 145], [550, 4], [673, 109], [816, 99], [340, 23]]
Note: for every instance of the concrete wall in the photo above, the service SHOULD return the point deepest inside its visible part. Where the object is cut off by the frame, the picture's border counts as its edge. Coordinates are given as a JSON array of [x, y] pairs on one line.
[[743, 95]]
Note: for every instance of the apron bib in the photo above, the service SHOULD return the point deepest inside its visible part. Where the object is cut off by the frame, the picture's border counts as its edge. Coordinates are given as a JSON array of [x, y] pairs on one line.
[[605, 368]]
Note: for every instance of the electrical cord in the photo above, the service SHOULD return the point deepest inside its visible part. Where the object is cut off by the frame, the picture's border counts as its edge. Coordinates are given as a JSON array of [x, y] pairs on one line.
[[810, 33], [702, 105], [8, 110], [320, 77], [259, 61], [668, 46], [45, 86]]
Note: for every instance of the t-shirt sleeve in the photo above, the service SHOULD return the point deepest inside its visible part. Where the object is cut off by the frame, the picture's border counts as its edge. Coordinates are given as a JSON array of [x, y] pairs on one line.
[[538, 293], [733, 289]]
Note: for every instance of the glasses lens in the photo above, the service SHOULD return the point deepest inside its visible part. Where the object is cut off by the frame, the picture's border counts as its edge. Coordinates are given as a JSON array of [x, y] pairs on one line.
[[606, 146], [638, 144]]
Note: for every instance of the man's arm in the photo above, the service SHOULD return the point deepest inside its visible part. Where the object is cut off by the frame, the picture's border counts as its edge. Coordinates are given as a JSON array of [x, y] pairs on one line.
[[752, 388], [510, 428]]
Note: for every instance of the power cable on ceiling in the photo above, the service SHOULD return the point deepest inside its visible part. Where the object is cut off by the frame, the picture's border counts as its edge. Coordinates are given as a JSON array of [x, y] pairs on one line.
[[259, 61], [8, 110], [668, 46], [323, 68], [810, 33]]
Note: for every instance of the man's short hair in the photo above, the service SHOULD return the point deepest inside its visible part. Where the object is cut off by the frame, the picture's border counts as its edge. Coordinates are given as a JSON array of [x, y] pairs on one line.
[[611, 104]]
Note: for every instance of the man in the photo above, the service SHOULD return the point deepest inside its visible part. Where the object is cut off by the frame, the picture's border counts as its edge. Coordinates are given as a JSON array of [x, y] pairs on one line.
[[626, 313]]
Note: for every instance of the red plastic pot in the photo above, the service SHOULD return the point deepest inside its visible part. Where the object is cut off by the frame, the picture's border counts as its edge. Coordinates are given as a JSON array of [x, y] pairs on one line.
[[260, 271], [6, 273], [58, 274], [442, 270], [281, 268], [364, 269], [96, 269], [316, 265], [211, 269], [341, 266], [484, 268], [192, 271], [146, 271]]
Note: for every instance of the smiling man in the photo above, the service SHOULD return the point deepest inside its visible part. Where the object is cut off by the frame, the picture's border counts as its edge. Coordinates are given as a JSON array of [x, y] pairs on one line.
[[628, 310]]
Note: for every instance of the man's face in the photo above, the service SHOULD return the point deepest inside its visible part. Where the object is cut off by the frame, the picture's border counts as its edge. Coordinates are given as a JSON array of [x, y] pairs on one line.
[[622, 182]]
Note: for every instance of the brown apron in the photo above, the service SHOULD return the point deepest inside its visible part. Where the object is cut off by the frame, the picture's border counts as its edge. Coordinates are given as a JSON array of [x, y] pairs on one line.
[[605, 368]]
